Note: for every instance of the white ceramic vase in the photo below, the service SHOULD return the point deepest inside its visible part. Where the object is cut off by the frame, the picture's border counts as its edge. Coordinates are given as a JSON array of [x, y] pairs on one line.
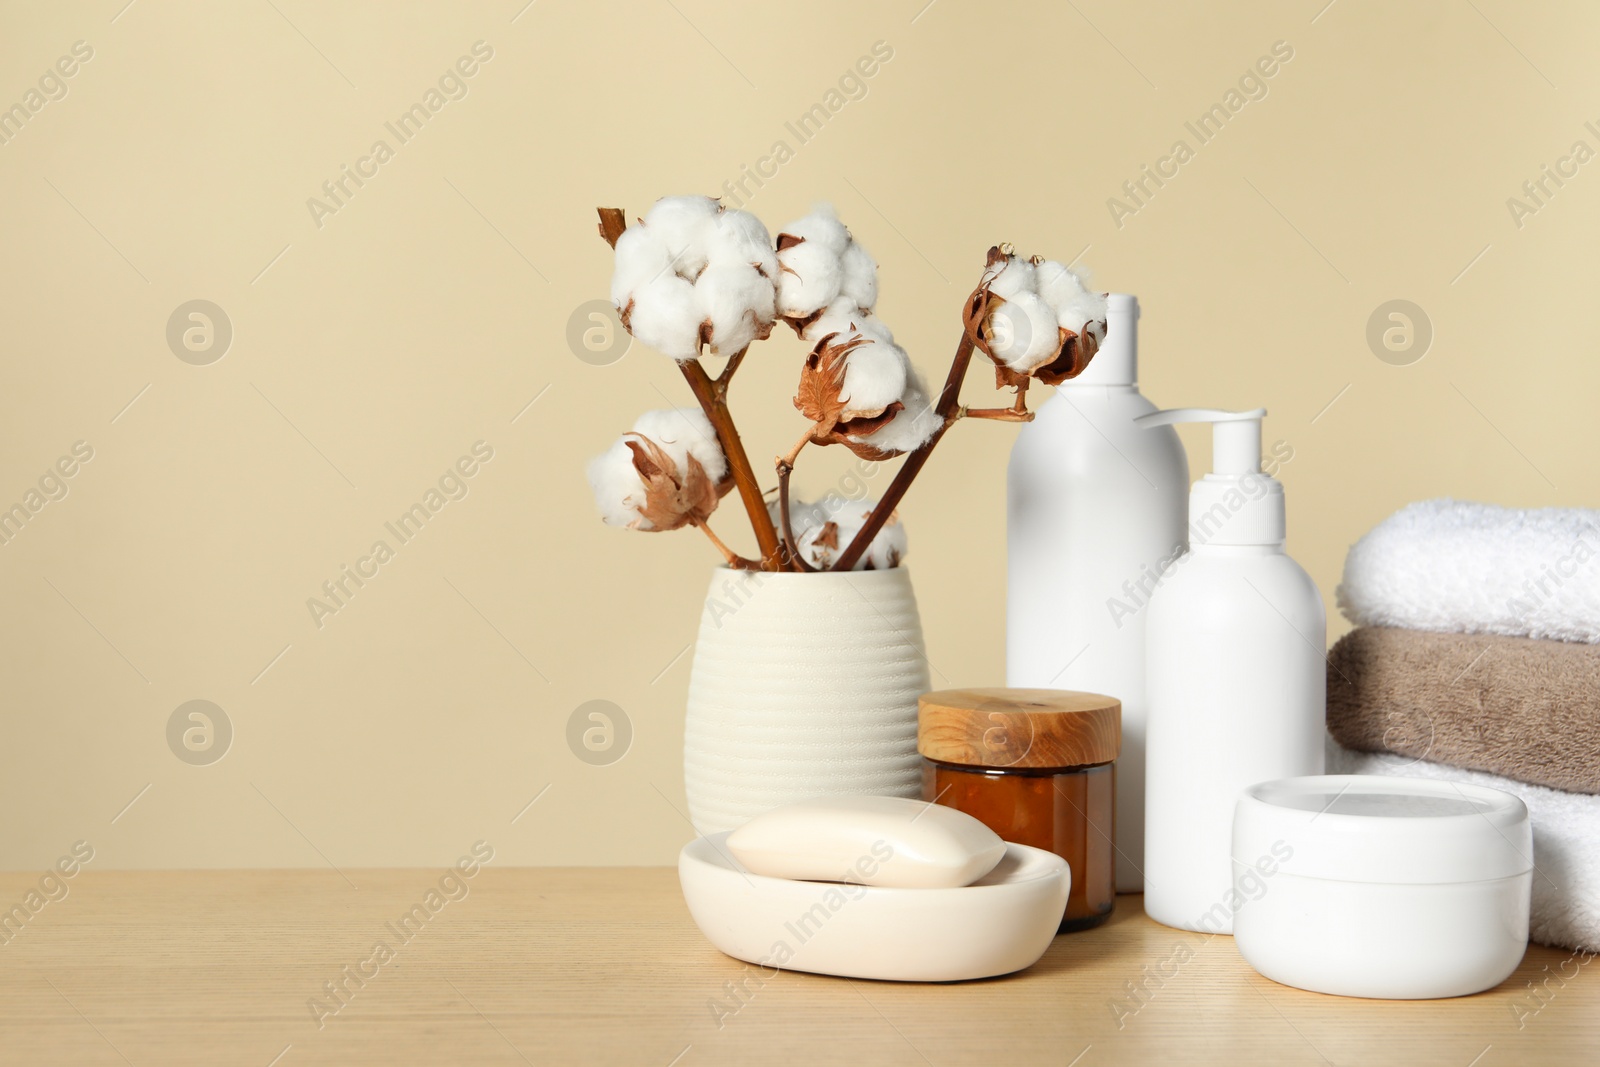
[[803, 685]]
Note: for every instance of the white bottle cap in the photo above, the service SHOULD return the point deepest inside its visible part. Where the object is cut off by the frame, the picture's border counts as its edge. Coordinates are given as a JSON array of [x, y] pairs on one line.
[[1236, 504], [1117, 362]]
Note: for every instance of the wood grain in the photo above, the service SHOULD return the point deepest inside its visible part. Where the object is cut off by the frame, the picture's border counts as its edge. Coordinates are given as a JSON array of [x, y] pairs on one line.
[[998, 727], [604, 966]]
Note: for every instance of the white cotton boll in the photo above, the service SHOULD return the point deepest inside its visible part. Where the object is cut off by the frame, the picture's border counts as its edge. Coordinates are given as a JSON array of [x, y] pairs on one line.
[[813, 543], [1068, 295], [858, 276], [1087, 310], [666, 316], [912, 425], [1012, 278], [876, 373], [820, 546], [808, 280], [685, 432], [641, 258], [687, 225], [869, 325], [847, 521], [1058, 284], [874, 376], [1023, 332], [821, 227], [738, 301], [844, 319], [887, 548], [840, 317], [740, 237], [618, 490]]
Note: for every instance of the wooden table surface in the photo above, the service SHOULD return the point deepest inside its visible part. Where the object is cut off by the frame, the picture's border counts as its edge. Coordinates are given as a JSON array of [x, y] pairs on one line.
[[604, 966]]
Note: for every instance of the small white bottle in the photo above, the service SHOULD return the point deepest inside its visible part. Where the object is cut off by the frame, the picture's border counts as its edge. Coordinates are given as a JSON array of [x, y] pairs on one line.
[[1234, 646], [1095, 507]]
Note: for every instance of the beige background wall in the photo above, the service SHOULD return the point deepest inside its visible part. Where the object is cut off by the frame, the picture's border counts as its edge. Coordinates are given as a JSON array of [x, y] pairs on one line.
[[428, 312]]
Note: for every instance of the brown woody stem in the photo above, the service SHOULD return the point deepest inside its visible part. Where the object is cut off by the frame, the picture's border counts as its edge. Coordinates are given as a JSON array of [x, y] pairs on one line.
[[794, 453], [1020, 404], [736, 561], [721, 380], [713, 400], [785, 467], [796, 560], [1010, 414], [948, 408]]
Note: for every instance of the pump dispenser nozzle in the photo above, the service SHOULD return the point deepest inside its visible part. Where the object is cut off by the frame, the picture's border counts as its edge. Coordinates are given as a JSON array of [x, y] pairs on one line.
[[1235, 504], [1235, 435]]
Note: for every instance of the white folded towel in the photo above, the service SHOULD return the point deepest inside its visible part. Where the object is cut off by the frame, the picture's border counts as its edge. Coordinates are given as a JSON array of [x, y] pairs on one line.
[[1566, 843], [1455, 567]]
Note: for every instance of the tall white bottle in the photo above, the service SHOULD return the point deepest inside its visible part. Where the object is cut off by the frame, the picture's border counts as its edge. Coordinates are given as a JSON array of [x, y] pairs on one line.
[[1095, 506], [1234, 646]]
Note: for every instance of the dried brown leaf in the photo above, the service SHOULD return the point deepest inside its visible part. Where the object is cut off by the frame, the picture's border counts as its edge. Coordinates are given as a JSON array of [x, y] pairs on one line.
[[818, 399], [822, 379], [1071, 360], [673, 499]]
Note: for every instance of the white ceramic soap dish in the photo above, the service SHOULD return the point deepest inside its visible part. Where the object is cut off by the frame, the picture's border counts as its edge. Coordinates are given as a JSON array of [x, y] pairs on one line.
[[1001, 923]]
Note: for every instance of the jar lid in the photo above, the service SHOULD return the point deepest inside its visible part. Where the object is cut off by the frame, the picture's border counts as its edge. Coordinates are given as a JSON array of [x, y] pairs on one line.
[[1018, 727], [1382, 829]]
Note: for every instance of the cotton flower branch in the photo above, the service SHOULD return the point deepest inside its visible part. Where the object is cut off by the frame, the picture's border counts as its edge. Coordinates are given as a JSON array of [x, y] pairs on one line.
[[857, 386], [1019, 317], [693, 278], [657, 288]]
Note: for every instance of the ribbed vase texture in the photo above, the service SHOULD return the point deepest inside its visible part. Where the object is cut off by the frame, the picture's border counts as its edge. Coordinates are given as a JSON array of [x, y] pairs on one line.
[[803, 685]]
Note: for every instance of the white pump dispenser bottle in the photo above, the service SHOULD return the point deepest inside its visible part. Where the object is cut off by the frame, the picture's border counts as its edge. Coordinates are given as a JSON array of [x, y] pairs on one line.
[[1235, 647], [1095, 507]]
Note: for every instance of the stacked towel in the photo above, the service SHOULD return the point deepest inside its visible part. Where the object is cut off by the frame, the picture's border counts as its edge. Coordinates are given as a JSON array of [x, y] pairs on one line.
[[1454, 567], [1477, 658], [1523, 709]]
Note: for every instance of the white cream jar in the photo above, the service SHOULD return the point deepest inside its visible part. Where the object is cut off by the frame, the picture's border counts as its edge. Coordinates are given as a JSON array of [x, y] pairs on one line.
[[1369, 886]]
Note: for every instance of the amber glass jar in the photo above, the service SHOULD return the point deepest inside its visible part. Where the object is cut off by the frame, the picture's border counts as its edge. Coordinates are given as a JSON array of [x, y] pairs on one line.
[[1037, 767]]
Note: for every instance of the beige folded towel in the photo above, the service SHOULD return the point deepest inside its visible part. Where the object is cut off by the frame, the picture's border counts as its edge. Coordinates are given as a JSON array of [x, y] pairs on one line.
[[1520, 708]]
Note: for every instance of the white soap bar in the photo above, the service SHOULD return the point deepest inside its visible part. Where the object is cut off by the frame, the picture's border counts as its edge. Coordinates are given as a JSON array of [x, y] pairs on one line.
[[879, 841]]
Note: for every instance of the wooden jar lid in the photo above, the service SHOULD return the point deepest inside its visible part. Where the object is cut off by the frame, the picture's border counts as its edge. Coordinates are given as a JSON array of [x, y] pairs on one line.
[[1018, 727]]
